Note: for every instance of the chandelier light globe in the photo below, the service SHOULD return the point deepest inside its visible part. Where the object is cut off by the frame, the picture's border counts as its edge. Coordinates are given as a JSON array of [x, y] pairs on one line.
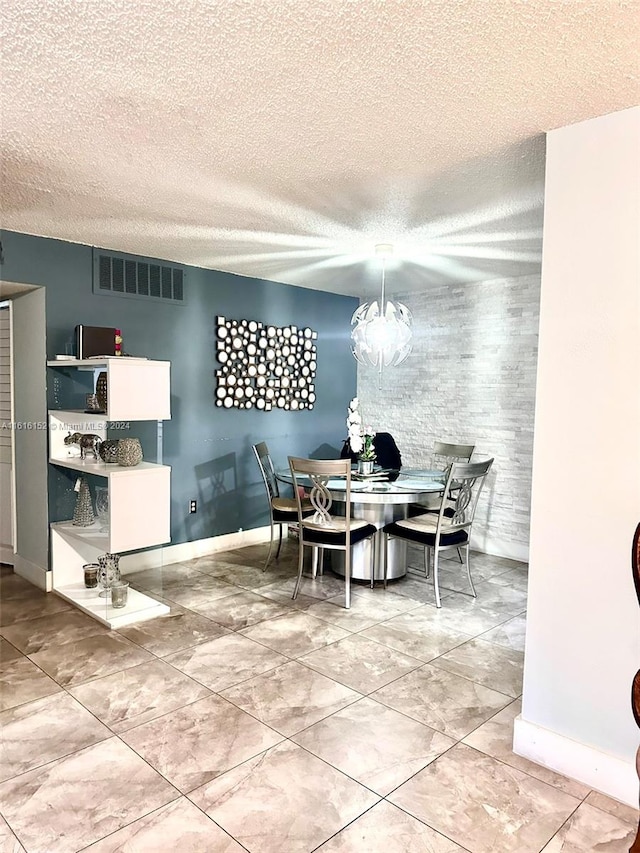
[[381, 339], [381, 330]]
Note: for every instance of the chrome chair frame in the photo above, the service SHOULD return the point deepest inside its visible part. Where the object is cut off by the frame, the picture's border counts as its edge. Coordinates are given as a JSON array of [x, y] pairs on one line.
[[321, 529], [281, 510], [443, 456], [451, 527]]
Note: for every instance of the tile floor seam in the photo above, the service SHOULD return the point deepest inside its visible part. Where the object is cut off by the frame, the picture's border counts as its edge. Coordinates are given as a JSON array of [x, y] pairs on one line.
[[431, 662], [228, 686], [176, 651], [468, 678], [152, 719], [422, 820], [381, 643], [520, 770], [202, 784], [453, 840], [335, 678], [302, 654], [107, 736], [200, 699]]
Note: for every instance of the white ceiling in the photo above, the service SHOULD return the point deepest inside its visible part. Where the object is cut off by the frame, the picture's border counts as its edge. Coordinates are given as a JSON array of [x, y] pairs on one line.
[[284, 138]]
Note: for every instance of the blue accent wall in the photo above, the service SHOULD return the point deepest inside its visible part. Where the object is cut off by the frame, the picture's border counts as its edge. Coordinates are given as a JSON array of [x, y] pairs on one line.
[[208, 448]]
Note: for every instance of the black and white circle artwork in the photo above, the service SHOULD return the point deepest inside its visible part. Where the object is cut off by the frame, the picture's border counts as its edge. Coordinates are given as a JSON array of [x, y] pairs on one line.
[[266, 366]]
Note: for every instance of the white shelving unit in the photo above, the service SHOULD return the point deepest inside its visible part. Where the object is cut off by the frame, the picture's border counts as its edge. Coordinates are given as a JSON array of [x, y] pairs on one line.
[[139, 496]]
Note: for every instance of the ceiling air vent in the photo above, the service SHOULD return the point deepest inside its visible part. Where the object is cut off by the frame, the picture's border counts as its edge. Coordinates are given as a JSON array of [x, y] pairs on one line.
[[123, 277]]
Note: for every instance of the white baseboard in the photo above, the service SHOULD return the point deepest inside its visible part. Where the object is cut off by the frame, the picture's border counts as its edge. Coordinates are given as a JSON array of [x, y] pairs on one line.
[[201, 547], [487, 544], [190, 550], [36, 575], [598, 770]]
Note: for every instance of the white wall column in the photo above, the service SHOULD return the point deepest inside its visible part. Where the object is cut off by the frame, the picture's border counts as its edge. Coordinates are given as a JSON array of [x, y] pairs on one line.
[[583, 639]]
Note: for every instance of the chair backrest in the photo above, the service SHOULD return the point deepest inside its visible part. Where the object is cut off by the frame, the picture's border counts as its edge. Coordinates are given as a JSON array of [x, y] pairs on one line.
[[266, 469], [317, 473], [444, 454], [464, 484]]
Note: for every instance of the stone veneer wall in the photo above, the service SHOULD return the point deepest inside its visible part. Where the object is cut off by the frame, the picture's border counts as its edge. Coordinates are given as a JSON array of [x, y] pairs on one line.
[[470, 379]]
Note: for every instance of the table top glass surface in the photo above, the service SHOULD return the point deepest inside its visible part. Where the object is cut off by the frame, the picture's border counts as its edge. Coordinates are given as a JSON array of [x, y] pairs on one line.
[[384, 481]]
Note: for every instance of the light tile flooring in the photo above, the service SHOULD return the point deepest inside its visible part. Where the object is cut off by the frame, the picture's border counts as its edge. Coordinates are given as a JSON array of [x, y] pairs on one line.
[[246, 721]]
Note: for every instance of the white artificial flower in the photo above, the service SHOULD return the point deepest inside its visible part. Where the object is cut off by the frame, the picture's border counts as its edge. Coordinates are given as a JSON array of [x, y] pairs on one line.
[[355, 442], [354, 427]]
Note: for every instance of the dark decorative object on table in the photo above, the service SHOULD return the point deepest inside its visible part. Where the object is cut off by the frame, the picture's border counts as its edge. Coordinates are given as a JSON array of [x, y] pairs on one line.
[[83, 513], [129, 452], [101, 390], [108, 573], [109, 451]]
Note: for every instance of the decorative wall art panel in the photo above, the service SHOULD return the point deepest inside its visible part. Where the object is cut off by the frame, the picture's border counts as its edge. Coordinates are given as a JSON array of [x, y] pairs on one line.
[[265, 367]]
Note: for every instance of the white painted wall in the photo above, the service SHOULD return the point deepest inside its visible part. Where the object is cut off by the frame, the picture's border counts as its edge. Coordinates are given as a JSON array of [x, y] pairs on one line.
[[583, 640]]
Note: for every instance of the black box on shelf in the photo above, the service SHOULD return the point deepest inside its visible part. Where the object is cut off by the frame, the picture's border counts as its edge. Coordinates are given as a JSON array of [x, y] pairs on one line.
[[95, 340]]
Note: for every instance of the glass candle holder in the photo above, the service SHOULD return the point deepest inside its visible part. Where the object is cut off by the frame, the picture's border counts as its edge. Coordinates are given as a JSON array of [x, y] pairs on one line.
[[91, 575], [119, 593], [102, 506]]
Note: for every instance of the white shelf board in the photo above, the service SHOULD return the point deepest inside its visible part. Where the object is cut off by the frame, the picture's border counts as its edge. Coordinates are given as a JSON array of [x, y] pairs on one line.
[[92, 535], [140, 607], [83, 412], [90, 362], [101, 469]]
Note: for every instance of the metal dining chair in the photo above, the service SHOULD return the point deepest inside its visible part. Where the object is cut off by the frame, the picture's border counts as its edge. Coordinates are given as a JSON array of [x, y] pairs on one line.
[[322, 529], [443, 456], [450, 527], [281, 510]]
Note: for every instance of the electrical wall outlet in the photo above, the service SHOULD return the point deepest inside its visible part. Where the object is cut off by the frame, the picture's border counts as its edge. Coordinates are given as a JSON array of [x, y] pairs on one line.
[[193, 506]]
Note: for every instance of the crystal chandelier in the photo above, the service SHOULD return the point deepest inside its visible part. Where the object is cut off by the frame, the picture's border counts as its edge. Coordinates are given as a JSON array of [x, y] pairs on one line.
[[381, 332]]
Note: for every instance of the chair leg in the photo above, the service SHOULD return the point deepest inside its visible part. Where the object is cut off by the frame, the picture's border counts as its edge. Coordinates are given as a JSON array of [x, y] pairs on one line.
[[279, 541], [314, 562], [427, 561], [385, 559], [473, 589], [347, 578], [374, 559], [320, 561], [264, 569], [460, 556], [436, 587], [300, 564]]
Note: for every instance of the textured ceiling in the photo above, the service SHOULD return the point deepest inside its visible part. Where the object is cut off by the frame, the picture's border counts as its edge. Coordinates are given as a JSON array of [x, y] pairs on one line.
[[284, 138]]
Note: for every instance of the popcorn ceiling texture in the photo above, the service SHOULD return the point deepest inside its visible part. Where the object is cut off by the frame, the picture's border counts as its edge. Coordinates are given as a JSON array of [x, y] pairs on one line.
[[470, 379], [283, 139]]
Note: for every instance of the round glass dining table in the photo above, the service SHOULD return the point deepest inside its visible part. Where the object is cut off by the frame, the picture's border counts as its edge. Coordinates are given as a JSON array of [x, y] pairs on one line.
[[379, 500]]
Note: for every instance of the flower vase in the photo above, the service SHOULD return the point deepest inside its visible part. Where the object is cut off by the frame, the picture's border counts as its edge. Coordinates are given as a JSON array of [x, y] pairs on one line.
[[108, 572], [365, 466]]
